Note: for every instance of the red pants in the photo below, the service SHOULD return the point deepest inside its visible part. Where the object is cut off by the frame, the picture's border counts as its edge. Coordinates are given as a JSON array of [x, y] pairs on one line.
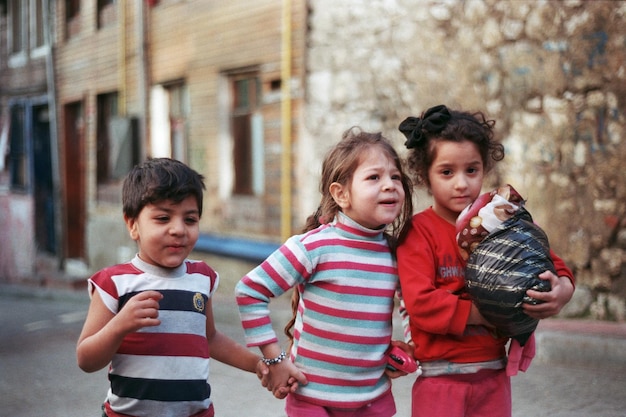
[[385, 406], [483, 394]]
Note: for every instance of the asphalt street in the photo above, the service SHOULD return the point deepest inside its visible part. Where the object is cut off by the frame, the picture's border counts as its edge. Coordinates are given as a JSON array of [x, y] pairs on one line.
[[39, 375]]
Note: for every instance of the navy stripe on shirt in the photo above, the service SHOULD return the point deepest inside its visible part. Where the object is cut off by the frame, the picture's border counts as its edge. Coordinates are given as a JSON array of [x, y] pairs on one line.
[[178, 300], [160, 390]]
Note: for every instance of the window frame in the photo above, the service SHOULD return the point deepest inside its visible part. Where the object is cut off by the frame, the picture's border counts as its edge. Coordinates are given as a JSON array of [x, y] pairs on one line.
[[17, 17], [246, 127], [38, 36]]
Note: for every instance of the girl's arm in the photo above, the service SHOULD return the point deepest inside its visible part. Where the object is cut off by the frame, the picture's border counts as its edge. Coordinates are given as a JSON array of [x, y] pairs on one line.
[[283, 377], [562, 289], [553, 300], [433, 308], [282, 270], [226, 350], [104, 331]]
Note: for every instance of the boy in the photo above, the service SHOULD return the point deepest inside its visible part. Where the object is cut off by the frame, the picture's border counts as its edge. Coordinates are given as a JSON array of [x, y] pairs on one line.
[[151, 319]]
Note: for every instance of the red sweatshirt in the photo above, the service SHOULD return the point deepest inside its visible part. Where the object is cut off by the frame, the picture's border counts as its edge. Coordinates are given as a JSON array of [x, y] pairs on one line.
[[432, 276]]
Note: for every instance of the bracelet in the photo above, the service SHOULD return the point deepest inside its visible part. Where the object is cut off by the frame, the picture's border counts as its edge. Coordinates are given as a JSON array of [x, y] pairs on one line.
[[277, 359]]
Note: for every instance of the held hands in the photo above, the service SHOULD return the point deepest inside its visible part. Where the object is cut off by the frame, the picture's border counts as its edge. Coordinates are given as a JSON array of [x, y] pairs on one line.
[[141, 310], [281, 378], [553, 300]]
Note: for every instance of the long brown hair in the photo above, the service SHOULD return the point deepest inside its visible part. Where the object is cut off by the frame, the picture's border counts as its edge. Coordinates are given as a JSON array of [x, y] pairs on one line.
[[339, 166]]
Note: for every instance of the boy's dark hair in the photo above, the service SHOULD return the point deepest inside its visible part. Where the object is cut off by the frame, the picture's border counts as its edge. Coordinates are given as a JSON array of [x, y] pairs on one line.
[[439, 123], [159, 179]]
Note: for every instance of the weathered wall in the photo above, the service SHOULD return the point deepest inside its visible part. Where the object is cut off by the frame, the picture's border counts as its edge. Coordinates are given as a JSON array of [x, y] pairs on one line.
[[195, 42], [551, 73]]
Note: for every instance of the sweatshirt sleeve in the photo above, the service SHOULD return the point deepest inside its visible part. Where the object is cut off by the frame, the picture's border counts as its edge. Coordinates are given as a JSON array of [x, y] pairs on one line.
[[561, 269], [430, 288], [282, 270]]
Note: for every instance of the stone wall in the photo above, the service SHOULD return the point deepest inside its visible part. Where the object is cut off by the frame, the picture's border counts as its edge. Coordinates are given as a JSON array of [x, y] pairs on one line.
[[551, 73]]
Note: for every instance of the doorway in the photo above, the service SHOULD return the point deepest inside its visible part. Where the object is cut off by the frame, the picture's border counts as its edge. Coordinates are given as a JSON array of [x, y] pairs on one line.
[[43, 189], [74, 181]]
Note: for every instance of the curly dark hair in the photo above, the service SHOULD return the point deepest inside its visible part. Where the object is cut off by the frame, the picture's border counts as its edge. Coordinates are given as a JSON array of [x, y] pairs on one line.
[[439, 123]]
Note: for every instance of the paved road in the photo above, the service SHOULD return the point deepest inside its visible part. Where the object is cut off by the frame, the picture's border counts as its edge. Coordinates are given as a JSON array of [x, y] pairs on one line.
[[39, 376]]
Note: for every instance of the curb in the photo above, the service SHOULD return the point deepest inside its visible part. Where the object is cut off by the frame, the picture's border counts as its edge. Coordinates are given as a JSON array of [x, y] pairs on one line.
[[42, 292], [582, 343]]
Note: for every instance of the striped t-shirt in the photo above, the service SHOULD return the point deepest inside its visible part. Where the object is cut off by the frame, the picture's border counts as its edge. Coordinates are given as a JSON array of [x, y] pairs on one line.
[[160, 371], [347, 278]]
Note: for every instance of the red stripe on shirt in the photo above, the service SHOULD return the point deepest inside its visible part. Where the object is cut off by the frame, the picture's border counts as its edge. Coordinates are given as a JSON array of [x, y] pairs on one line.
[[344, 361], [164, 344], [251, 324], [355, 315], [354, 290], [343, 337], [356, 266]]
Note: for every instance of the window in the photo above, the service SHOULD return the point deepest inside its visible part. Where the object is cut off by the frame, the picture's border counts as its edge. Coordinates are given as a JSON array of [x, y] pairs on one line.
[[106, 12], [246, 128], [38, 37], [17, 31], [117, 147], [18, 161], [179, 109], [72, 17], [107, 109], [72, 9], [169, 109]]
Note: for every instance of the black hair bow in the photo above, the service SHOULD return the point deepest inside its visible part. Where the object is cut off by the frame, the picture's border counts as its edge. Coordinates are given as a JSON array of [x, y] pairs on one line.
[[432, 121]]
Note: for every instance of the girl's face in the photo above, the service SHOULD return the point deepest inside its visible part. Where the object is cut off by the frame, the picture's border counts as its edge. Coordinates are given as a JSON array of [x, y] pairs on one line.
[[166, 232], [456, 177], [375, 195]]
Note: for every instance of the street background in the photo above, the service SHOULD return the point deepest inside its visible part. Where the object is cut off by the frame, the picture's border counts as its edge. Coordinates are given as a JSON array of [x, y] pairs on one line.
[[579, 370]]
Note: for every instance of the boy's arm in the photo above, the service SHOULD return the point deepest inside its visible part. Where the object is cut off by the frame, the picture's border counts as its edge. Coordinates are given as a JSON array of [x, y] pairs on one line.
[[104, 331], [226, 350]]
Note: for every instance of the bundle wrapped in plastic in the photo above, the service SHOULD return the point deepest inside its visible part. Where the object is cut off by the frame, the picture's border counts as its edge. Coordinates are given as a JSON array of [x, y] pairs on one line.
[[505, 253]]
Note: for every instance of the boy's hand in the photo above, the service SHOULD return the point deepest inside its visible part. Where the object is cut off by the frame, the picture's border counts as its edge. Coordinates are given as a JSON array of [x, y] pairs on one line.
[[262, 370], [141, 310], [283, 378], [553, 300]]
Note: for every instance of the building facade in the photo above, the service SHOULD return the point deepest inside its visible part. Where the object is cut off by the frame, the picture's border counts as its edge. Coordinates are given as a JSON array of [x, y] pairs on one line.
[[215, 84]]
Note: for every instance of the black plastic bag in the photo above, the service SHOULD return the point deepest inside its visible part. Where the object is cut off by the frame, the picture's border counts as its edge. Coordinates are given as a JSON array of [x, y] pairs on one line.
[[502, 267]]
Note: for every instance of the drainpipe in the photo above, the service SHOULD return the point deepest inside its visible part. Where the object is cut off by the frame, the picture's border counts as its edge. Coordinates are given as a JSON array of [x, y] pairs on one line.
[[54, 142], [144, 76], [121, 67], [285, 179]]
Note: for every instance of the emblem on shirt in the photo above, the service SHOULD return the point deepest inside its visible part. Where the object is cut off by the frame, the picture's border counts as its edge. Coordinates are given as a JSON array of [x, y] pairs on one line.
[[198, 302]]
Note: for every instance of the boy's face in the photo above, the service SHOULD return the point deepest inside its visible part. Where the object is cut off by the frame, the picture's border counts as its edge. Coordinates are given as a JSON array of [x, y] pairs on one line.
[[166, 232]]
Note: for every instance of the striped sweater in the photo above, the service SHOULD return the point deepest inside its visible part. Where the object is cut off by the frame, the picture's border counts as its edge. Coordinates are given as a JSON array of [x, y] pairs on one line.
[[160, 371], [347, 278]]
